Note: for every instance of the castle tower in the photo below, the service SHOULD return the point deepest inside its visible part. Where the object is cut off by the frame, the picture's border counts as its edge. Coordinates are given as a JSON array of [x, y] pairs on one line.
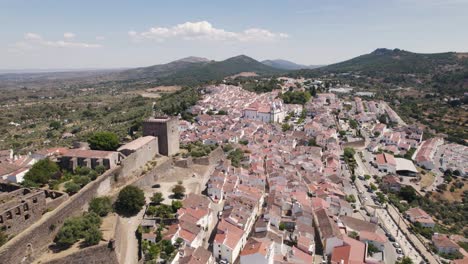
[[166, 129]]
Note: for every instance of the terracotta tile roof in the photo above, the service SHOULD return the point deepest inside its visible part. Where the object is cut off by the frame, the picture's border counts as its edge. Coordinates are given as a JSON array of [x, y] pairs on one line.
[[228, 234], [253, 246]]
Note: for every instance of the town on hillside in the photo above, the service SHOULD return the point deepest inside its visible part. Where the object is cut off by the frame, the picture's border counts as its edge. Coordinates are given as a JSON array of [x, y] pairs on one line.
[[306, 173]]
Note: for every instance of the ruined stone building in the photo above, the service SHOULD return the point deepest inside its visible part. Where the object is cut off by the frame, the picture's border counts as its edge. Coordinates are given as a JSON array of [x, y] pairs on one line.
[[74, 158], [166, 129], [21, 207]]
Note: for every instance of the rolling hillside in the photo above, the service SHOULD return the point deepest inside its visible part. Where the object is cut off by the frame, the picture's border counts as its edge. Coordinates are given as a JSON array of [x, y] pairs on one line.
[[400, 62], [446, 72]]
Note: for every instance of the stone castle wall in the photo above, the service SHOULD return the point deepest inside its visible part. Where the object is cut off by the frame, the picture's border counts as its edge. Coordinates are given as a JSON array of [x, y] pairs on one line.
[[99, 254], [32, 242]]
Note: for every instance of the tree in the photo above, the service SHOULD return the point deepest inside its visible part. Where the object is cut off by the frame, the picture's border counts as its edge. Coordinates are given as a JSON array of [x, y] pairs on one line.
[[349, 153], [282, 226], [100, 205], [312, 142], [408, 193], [157, 198], [67, 235], [92, 236], [176, 205], [129, 201], [103, 141], [42, 171], [372, 249], [151, 210], [81, 227], [179, 191], [285, 127], [353, 124]]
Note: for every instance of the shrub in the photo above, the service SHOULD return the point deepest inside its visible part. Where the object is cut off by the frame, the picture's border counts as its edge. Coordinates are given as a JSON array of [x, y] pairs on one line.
[[100, 205], [130, 201], [92, 236], [71, 187], [75, 228], [100, 169]]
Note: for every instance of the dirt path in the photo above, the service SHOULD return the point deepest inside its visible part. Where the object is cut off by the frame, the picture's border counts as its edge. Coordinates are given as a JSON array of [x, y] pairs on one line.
[[128, 241]]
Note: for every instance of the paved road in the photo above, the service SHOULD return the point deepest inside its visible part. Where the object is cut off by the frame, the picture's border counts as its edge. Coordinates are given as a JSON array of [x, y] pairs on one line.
[[389, 223], [397, 226]]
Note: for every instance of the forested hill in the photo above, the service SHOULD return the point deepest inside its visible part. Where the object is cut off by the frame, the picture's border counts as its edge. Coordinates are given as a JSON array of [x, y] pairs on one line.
[[445, 71], [218, 70]]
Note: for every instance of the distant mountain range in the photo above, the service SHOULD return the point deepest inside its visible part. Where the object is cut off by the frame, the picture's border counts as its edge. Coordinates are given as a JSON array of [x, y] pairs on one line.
[[288, 65], [193, 70], [396, 66]]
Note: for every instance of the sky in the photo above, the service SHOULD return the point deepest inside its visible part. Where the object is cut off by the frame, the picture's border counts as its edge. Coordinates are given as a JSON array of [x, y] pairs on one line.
[[69, 34]]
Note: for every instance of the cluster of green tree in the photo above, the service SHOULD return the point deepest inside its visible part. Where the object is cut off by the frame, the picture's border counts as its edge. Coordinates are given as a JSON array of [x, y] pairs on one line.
[[41, 173], [84, 227], [227, 147], [163, 210], [453, 216], [286, 127], [162, 249], [104, 140], [78, 179], [130, 201], [262, 85], [236, 156], [451, 83], [198, 149], [295, 97], [178, 102], [452, 255], [101, 206]]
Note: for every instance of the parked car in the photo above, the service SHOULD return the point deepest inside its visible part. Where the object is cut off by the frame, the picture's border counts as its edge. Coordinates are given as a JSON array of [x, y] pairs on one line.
[[398, 251], [157, 185], [391, 238], [396, 245]]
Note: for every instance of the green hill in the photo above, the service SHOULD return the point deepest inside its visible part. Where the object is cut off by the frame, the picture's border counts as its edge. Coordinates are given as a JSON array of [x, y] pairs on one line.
[[446, 72], [399, 62], [217, 70]]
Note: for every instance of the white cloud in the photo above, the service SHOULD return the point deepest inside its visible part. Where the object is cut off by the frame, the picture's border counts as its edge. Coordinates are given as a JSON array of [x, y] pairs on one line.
[[33, 40], [204, 30], [100, 38], [69, 35]]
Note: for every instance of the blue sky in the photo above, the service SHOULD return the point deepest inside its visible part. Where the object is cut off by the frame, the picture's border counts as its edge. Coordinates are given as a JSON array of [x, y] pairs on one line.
[[84, 34]]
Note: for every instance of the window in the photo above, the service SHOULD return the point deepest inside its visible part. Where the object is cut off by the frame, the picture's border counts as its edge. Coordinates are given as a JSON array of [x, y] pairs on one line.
[[25, 207], [26, 217], [9, 215], [35, 200], [1, 219]]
